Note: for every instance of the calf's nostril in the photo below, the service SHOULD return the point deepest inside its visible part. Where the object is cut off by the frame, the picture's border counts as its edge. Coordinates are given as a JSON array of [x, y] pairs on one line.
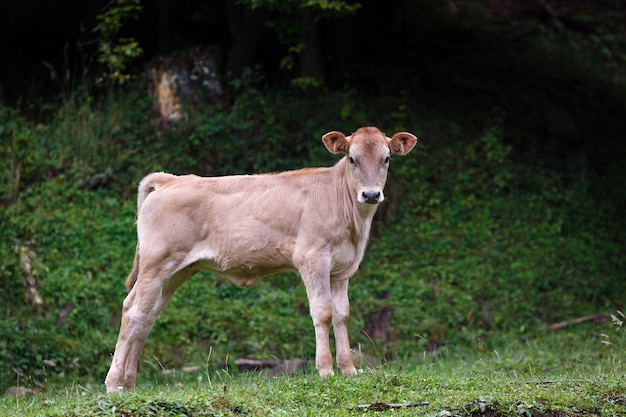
[[371, 197]]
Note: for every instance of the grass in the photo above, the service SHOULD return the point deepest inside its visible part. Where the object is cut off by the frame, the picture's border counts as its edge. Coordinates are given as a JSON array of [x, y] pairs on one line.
[[549, 374], [491, 229]]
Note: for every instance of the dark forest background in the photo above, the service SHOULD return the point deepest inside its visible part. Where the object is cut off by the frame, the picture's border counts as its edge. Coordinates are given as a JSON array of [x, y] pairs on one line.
[[506, 222]]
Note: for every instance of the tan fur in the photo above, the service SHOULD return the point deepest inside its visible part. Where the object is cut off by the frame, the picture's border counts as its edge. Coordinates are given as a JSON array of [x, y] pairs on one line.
[[315, 221]]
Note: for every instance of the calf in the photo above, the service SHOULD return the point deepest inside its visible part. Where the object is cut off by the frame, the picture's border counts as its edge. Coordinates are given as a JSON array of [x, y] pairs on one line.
[[315, 221]]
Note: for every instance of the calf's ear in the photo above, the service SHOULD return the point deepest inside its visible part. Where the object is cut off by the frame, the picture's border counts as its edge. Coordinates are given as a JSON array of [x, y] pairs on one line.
[[401, 143], [336, 142]]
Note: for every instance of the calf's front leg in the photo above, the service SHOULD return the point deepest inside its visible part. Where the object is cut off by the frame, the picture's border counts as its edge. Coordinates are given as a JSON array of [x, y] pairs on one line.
[[316, 277], [341, 315]]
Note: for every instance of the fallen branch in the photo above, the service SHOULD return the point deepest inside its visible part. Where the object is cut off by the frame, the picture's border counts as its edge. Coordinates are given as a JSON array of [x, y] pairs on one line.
[[548, 382], [275, 367], [594, 317], [386, 406], [254, 364]]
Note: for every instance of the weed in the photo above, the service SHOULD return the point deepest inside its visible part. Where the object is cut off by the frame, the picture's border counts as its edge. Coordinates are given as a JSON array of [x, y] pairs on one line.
[[616, 339]]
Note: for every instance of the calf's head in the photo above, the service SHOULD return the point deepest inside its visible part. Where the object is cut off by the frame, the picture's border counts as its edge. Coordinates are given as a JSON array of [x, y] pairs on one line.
[[367, 151]]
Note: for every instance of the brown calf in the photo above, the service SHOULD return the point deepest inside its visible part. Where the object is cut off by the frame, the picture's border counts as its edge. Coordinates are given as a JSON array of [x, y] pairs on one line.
[[315, 221]]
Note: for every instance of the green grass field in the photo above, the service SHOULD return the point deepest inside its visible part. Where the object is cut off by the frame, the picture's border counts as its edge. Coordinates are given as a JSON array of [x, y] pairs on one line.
[[508, 218], [549, 374]]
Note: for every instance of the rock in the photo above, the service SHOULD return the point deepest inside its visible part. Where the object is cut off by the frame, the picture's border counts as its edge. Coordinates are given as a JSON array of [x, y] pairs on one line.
[[18, 392], [363, 361], [289, 367], [180, 81]]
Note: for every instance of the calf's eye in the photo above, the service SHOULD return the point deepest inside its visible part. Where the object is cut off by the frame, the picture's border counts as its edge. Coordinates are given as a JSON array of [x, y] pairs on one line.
[[351, 159]]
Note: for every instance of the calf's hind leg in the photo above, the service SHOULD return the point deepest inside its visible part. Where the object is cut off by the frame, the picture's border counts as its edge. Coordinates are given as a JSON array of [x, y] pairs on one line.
[[144, 302]]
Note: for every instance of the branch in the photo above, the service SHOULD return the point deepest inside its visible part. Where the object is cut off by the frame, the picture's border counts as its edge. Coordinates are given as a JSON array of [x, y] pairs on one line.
[[562, 324], [549, 381], [566, 19], [254, 364], [386, 406]]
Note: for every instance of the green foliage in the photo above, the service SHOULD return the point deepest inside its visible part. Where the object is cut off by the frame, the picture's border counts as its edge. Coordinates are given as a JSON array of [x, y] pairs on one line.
[[330, 6], [77, 234], [116, 52], [284, 21], [79, 294], [616, 338], [482, 234], [471, 243], [16, 149], [489, 246], [261, 130]]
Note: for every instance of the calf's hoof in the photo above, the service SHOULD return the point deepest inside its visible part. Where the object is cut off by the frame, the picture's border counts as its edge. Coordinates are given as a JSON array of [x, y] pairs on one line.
[[325, 373], [349, 371]]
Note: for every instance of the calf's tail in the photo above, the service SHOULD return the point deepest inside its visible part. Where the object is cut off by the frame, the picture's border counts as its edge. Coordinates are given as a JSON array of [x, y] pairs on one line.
[[149, 184], [132, 277]]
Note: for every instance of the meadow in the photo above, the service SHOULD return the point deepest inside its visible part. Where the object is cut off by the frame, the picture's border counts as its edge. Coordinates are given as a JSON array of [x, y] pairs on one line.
[[503, 223], [564, 373]]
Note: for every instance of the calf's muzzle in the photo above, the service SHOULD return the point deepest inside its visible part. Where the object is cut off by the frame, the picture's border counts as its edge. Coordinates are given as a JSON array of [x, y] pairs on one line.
[[371, 196]]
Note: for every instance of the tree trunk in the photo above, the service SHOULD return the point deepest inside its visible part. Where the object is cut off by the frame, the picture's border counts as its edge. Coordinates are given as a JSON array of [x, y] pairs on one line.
[[245, 29], [310, 56]]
